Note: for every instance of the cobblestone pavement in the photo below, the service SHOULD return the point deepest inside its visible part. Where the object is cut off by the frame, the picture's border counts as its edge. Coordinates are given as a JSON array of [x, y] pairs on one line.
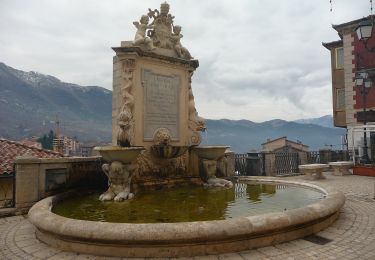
[[352, 235]]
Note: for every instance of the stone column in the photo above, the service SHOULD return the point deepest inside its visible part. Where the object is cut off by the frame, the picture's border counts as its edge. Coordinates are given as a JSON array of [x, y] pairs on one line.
[[302, 157], [27, 182], [270, 164]]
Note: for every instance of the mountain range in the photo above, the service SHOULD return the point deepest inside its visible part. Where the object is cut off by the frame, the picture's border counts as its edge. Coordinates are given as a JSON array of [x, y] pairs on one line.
[[244, 135], [326, 121], [31, 103]]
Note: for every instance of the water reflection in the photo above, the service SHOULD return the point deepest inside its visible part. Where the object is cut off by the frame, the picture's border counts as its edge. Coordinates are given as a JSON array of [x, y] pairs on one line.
[[190, 203]]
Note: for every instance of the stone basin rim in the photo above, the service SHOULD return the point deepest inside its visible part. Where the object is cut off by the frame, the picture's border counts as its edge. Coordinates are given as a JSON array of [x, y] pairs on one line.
[[210, 146], [152, 236], [117, 148]]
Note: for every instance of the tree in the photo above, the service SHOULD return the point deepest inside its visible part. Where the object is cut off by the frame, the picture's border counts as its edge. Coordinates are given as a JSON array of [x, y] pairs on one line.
[[47, 140]]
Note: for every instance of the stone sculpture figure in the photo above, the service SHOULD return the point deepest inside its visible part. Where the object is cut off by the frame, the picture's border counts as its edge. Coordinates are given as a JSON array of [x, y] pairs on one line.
[[140, 35], [159, 32], [119, 178], [210, 167], [181, 51], [162, 136], [125, 133], [162, 26], [196, 123]]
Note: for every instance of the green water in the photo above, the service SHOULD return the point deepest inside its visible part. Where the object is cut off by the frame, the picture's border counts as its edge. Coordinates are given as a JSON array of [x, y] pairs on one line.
[[191, 203]]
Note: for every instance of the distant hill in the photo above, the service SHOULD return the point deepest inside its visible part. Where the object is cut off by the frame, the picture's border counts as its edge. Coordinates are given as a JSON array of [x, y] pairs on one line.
[[30, 101], [326, 121], [244, 136]]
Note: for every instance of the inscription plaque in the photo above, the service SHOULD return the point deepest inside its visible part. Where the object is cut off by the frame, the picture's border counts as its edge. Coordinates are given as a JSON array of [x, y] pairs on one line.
[[161, 103]]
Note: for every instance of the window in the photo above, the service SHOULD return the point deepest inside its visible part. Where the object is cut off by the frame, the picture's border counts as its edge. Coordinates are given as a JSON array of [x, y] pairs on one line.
[[55, 179], [339, 53], [340, 99]]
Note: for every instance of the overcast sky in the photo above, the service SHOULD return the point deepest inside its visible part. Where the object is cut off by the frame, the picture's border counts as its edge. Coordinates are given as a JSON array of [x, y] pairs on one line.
[[259, 59]]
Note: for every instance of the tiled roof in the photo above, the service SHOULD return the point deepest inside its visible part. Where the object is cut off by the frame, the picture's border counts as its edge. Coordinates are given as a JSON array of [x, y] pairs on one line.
[[334, 44], [9, 150], [31, 143], [271, 141]]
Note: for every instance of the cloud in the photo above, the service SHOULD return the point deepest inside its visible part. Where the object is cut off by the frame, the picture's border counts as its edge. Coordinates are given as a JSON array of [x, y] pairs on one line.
[[259, 59]]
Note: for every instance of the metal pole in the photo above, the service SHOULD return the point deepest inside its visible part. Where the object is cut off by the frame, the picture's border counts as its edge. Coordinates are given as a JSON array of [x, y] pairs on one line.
[[365, 158]]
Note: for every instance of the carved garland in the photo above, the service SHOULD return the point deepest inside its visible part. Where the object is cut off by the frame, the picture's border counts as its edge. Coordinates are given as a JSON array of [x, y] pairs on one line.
[[125, 136], [196, 123]]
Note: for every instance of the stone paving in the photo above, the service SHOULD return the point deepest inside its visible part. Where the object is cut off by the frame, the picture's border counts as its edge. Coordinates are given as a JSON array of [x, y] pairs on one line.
[[352, 235]]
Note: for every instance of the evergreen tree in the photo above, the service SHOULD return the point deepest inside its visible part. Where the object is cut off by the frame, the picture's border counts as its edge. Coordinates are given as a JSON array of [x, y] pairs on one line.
[[47, 140]]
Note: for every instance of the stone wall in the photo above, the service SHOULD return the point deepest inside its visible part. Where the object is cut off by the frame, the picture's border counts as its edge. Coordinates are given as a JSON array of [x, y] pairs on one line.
[[39, 178]]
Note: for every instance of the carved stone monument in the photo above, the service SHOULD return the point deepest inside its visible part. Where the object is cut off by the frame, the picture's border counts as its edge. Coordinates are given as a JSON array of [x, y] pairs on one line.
[[153, 103]]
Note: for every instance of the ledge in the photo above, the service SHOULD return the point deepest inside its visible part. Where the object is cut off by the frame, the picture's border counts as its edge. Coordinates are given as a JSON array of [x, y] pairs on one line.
[[158, 54], [34, 160]]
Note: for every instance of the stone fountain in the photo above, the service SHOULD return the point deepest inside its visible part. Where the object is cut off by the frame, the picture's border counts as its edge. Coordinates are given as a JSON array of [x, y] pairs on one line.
[[153, 109], [156, 135]]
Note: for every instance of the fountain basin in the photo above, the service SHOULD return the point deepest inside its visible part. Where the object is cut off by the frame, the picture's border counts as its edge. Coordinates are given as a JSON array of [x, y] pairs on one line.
[[185, 238], [118, 153], [188, 203], [168, 151], [210, 152]]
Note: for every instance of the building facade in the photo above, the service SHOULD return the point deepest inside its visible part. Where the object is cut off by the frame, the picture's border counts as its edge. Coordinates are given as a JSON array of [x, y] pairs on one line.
[[9, 152], [66, 145], [282, 144], [349, 56]]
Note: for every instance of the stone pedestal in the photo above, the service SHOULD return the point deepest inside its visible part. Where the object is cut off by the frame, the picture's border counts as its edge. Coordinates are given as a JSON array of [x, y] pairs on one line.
[[341, 168], [155, 88], [314, 171], [153, 105]]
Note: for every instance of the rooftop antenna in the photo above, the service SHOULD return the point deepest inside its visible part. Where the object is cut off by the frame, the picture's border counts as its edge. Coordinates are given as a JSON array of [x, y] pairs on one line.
[[371, 7], [331, 10]]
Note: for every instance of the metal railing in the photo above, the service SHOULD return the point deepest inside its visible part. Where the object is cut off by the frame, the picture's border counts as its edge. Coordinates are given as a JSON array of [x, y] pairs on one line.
[[284, 163], [240, 164], [326, 156], [313, 157], [249, 164]]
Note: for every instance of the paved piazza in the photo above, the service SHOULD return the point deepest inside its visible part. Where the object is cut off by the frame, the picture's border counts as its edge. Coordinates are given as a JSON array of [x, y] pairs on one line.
[[352, 235]]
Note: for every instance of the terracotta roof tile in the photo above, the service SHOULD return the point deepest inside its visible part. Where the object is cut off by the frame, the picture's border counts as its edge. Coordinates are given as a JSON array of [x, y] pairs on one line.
[[9, 150]]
